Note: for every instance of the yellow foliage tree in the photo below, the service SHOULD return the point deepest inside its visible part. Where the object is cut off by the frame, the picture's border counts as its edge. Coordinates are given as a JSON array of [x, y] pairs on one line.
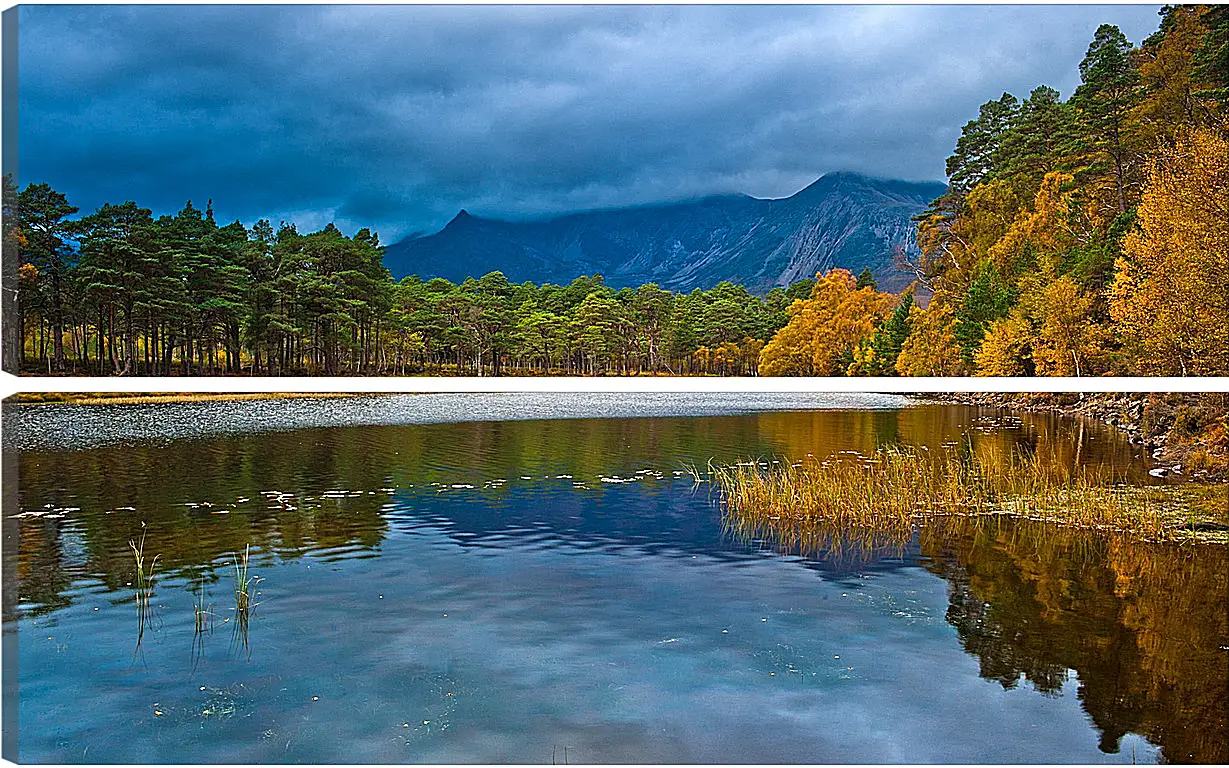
[[952, 247], [825, 327], [1165, 71], [1170, 297], [931, 348], [1045, 228], [703, 358], [1069, 338], [1008, 348]]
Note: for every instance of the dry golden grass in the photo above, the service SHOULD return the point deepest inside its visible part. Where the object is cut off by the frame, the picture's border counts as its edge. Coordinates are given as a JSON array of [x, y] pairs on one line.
[[879, 500]]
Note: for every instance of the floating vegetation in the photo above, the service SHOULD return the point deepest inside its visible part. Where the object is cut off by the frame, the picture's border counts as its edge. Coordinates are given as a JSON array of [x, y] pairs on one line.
[[48, 511], [879, 500]]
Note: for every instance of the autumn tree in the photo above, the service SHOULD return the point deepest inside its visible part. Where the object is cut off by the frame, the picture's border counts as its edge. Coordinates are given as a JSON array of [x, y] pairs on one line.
[[1170, 298], [1069, 339], [1166, 74], [1007, 349], [931, 348], [825, 327]]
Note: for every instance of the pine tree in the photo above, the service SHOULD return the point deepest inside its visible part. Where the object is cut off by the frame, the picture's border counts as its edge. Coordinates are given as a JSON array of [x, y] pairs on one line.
[[977, 150], [1108, 92], [41, 215]]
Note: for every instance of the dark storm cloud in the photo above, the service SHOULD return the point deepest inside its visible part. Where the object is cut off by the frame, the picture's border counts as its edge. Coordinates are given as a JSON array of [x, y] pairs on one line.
[[395, 117]]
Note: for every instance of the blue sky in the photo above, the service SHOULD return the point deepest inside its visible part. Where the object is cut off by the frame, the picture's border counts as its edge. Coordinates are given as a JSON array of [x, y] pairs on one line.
[[395, 117]]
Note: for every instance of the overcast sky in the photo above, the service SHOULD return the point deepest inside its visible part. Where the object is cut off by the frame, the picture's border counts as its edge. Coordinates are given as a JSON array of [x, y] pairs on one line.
[[395, 117]]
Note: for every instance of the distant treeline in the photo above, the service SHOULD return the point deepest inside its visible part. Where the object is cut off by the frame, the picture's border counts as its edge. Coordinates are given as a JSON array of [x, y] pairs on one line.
[[1080, 237]]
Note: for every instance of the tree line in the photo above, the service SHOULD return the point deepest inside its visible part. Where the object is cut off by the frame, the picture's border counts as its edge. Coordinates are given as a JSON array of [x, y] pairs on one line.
[[1081, 237], [1084, 236], [119, 292]]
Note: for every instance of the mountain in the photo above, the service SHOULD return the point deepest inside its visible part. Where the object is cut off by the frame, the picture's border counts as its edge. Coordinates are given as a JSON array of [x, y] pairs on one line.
[[842, 220]]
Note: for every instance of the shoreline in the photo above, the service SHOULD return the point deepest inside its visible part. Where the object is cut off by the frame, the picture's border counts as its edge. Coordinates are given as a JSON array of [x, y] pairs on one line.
[[150, 398], [1185, 432]]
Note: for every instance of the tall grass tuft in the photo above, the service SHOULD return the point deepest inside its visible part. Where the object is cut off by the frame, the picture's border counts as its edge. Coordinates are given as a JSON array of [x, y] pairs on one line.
[[244, 584], [203, 611], [882, 498], [244, 591], [144, 581]]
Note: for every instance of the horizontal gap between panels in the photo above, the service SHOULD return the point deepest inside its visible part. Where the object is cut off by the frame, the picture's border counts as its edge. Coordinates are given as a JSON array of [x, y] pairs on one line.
[[217, 384]]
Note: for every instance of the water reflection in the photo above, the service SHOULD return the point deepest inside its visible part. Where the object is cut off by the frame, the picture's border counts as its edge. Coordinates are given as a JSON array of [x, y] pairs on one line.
[[1142, 626], [331, 490]]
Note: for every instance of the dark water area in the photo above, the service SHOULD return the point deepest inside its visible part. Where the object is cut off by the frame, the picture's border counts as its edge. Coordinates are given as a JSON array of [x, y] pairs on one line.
[[546, 585]]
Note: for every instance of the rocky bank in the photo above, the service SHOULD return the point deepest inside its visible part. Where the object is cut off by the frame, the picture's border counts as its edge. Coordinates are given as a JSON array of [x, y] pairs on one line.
[[1187, 433]]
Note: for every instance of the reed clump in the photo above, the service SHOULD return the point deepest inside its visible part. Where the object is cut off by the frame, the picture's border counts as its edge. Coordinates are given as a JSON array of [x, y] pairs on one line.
[[885, 496], [244, 584], [143, 582], [203, 610]]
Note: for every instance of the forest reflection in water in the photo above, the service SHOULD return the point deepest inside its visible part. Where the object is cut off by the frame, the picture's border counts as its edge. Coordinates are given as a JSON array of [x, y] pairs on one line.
[[1144, 627]]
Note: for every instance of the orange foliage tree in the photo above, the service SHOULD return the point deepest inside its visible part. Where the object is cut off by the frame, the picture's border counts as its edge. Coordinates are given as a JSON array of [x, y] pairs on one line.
[[1170, 297], [931, 349], [1008, 348], [823, 330]]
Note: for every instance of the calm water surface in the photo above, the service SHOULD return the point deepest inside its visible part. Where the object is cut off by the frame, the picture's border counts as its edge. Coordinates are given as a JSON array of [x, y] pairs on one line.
[[526, 578]]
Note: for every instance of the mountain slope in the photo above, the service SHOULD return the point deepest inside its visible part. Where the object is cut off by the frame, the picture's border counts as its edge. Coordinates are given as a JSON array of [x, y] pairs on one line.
[[842, 220]]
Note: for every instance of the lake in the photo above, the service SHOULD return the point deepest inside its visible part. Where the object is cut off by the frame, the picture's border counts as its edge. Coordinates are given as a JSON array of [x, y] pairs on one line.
[[538, 578]]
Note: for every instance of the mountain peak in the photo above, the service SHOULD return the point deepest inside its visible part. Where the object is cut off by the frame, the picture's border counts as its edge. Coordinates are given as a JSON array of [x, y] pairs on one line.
[[843, 219], [923, 191], [463, 217], [838, 175], [833, 179]]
